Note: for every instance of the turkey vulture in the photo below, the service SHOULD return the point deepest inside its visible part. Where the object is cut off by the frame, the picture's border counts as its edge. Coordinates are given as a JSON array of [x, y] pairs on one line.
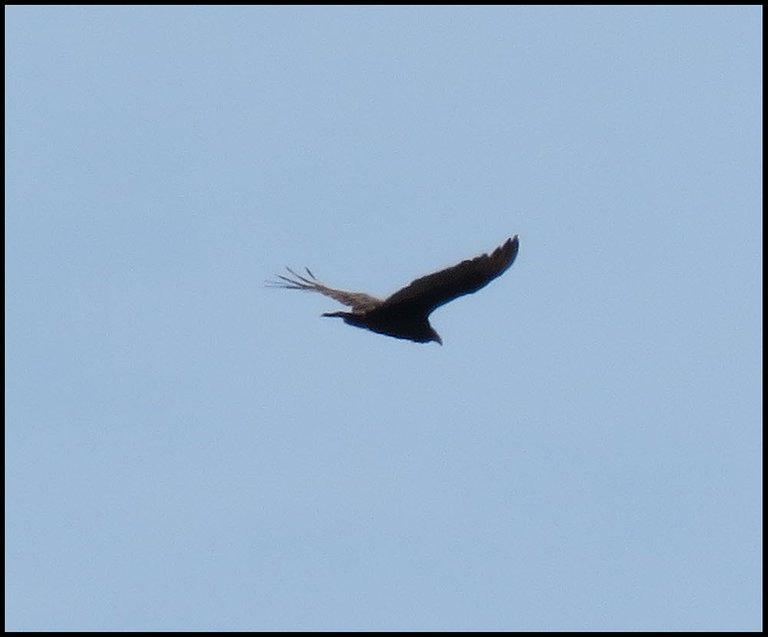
[[405, 313]]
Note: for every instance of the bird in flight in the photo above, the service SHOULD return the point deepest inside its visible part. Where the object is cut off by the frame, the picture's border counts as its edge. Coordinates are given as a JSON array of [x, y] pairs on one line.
[[405, 314]]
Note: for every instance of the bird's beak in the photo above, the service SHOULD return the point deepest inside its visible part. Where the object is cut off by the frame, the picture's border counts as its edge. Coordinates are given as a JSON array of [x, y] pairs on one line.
[[437, 339]]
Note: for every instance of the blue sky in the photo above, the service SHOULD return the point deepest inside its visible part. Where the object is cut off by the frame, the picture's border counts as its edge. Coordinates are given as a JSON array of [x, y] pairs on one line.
[[186, 449]]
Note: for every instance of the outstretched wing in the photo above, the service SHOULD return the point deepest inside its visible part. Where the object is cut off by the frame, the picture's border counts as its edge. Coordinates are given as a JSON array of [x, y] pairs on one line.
[[358, 301], [431, 291]]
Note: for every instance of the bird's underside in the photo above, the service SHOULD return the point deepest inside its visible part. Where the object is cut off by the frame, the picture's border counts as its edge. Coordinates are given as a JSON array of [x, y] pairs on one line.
[[405, 314]]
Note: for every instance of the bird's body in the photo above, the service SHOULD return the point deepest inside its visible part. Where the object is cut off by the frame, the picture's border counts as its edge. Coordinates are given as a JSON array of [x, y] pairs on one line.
[[405, 314], [392, 322]]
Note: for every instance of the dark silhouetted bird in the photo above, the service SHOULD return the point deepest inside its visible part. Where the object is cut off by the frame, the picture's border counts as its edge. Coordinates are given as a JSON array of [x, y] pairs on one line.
[[405, 314]]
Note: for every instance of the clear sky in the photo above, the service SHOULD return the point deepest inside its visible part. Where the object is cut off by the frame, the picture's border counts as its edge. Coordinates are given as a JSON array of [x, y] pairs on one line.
[[187, 449]]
